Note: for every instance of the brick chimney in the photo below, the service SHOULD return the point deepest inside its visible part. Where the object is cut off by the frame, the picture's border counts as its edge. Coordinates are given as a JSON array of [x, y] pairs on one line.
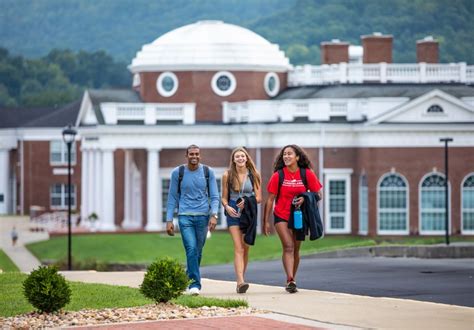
[[377, 48], [427, 50], [334, 52]]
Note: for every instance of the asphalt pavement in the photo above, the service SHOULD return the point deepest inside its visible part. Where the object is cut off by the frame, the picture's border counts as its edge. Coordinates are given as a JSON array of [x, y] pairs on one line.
[[447, 281]]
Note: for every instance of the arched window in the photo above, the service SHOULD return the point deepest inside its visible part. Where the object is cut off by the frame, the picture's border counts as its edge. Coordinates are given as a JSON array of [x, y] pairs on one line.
[[393, 205], [468, 205], [363, 205], [433, 204], [435, 109]]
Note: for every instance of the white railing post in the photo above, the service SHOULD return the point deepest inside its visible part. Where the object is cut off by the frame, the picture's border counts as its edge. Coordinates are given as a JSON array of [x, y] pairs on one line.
[[343, 73], [383, 72], [150, 115], [462, 72], [422, 72], [225, 112], [189, 113]]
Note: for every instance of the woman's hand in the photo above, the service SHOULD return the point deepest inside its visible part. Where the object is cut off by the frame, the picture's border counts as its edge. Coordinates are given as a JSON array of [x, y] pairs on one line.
[[241, 204], [266, 228], [299, 201], [231, 211]]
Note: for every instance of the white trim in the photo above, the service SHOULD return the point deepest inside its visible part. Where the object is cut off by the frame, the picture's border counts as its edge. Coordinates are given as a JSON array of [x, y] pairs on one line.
[[159, 87], [215, 88], [433, 232], [363, 232], [464, 232], [341, 176], [276, 89], [407, 224], [387, 115]]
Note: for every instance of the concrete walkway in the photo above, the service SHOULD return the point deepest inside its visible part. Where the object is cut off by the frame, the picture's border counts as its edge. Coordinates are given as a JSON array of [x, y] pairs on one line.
[[24, 260], [327, 309]]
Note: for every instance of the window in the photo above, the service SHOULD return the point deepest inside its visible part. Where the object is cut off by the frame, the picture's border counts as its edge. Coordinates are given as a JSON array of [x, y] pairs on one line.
[[58, 152], [167, 84], [271, 84], [58, 196], [363, 205], [392, 200], [468, 205], [337, 201], [435, 109], [433, 204], [223, 83]]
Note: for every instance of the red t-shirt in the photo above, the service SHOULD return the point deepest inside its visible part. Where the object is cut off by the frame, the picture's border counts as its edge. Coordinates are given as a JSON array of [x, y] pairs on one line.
[[291, 187]]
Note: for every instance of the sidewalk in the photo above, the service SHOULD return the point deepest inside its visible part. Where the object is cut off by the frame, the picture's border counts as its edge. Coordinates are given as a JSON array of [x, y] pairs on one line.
[[329, 310], [24, 260]]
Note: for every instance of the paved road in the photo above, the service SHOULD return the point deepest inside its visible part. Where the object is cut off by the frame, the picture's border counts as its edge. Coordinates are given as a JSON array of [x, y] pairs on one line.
[[448, 281]]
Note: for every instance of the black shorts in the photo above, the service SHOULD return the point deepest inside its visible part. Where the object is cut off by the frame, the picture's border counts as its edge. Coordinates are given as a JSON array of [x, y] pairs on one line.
[[277, 219]]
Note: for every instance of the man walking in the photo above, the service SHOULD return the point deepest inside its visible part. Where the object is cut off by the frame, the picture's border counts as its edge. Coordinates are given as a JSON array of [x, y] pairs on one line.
[[193, 189]]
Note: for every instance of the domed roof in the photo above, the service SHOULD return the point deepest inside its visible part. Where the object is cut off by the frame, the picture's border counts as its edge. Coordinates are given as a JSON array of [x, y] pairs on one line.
[[210, 45]]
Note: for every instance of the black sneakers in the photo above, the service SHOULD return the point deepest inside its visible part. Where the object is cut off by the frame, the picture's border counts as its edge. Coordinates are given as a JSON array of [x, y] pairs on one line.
[[242, 287], [291, 287]]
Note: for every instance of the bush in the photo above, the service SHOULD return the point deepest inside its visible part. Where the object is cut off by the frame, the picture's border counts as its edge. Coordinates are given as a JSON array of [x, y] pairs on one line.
[[164, 280], [46, 290], [86, 264]]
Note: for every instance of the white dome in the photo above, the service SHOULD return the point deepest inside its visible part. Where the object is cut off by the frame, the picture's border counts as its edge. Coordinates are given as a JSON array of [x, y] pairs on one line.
[[210, 45]]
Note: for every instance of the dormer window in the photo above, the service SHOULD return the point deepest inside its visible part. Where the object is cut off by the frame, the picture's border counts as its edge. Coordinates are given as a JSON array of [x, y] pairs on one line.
[[167, 84], [223, 83], [435, 109]]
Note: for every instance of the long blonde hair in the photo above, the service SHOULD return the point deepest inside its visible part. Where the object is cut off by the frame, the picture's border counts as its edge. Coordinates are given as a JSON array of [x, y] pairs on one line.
[[233, 177]]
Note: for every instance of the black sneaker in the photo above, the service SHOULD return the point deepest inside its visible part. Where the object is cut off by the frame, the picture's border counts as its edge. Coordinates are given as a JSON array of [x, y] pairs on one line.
[[291, 287], [242, 287]]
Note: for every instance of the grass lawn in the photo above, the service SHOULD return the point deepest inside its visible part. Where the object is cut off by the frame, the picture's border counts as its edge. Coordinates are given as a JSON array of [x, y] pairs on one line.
[[145, 248], [6, 264], [92, 296]]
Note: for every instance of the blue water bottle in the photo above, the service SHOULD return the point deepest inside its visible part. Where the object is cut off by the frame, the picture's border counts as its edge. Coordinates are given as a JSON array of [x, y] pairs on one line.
[[298, 219]]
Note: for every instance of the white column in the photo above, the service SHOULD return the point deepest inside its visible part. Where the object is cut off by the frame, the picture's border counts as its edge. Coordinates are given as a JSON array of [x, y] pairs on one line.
[[96, 190], [128, 221], [85, 183], [108, 190], [91, 201], [4, 184], [152, 197]]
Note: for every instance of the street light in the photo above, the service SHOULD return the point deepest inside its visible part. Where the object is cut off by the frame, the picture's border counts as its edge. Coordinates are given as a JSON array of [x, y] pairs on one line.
[[69, 135], [446, 219]]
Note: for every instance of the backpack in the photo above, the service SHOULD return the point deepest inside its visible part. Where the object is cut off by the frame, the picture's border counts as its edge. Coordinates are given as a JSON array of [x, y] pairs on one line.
[[281, 177], [181, 174]]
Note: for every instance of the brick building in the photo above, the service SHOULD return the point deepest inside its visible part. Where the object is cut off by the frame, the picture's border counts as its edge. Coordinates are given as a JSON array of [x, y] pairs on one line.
[[371, 127]]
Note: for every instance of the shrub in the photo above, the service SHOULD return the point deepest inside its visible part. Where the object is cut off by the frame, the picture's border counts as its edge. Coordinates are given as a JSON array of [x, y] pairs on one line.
[[164, 280], [46, 290]]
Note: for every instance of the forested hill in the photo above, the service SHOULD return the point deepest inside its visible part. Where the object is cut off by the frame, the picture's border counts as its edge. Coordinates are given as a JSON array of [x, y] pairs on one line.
[[121, 27]]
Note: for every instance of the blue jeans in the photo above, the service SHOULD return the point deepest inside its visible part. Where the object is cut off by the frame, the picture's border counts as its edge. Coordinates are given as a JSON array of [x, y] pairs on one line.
[[193, 233]]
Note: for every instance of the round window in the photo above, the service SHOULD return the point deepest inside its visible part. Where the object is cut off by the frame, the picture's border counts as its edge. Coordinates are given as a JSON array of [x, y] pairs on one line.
[[223, 83], [271, 84], [167, 84]]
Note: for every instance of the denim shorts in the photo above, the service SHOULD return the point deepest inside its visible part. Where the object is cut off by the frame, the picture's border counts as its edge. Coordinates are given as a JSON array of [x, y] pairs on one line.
[[231, 221]]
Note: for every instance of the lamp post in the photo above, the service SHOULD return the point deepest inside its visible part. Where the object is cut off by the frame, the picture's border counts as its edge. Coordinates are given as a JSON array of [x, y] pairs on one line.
[[69, 135], [446, 195]]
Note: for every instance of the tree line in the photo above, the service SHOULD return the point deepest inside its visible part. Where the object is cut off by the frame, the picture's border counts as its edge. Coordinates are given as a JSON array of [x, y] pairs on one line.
[[57, 78]]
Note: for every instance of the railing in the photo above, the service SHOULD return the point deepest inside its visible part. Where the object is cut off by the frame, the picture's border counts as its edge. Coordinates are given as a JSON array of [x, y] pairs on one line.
[[287, 111], [148, 113], [380, 73]]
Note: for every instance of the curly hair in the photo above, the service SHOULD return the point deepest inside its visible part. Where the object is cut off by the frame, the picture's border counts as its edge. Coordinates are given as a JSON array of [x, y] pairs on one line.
[[303, 161], [232, 171]]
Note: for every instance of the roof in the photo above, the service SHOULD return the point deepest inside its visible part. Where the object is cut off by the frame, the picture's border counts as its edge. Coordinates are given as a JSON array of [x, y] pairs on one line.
[[17, 117], [373, 90], [210, 45], [57, 118], [99, 96]]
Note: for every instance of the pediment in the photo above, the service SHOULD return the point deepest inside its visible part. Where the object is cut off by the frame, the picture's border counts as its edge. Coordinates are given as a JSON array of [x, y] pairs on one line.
[[433, 107]]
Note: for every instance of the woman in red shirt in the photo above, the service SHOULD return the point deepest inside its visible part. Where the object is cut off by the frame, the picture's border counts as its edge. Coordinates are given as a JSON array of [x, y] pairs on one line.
[[291, 159]]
